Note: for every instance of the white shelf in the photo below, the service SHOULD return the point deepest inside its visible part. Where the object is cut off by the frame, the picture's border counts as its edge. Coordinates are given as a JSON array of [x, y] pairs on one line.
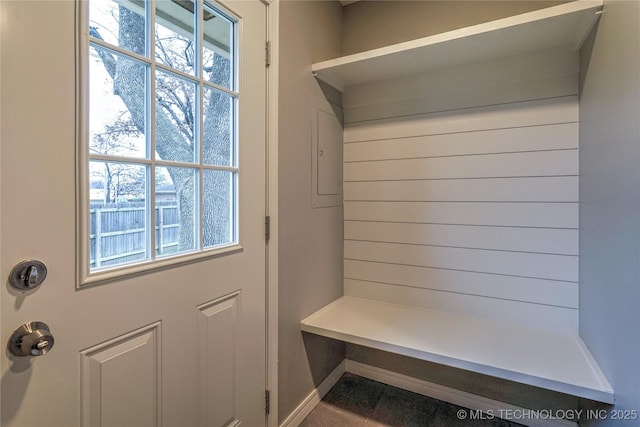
[[559, 362], [564, 26]]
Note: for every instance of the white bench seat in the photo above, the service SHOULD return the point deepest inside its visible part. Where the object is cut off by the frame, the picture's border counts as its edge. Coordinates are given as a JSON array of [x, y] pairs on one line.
[[559, 362]]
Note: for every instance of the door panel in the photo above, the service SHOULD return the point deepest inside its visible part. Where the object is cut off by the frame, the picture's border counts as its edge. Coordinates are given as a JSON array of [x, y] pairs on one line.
[[217, 354], [184, 346], [130, 363]]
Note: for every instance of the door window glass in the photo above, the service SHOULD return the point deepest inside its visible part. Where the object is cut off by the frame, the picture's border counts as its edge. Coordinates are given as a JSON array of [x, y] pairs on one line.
[[161, 146]]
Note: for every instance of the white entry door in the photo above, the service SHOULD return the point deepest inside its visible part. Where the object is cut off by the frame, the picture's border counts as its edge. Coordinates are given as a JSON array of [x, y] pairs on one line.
[[152, 325]]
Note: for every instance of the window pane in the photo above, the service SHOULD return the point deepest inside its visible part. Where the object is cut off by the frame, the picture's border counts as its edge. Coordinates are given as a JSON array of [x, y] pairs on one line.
[[117, 111], [176, 210], [218, 128], [118, 214], [120, 23], [178, 97], [175, 45], [219, 208], [175, 118], [217, 49]]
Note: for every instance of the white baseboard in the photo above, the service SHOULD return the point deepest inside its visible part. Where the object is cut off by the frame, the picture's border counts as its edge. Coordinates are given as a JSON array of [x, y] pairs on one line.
[[450, 395], [312, 400]]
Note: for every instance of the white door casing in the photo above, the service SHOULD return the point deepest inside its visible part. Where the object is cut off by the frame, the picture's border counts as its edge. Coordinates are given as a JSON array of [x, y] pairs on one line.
[[184, 346]]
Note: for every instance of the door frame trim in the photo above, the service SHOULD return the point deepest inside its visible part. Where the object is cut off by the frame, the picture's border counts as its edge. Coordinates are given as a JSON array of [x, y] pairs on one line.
[[273, 7]]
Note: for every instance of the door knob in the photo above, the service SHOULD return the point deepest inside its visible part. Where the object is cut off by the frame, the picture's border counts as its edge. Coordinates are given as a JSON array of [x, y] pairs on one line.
[[28, 275], [31, 339]]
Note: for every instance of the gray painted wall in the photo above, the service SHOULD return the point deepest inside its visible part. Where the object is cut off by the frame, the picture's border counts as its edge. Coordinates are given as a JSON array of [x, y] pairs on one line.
[[310, 240], [610, 201], [406, 20]]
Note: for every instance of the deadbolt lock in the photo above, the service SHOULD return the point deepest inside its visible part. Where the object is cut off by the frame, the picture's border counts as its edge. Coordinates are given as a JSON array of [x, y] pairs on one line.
[[31, 339], [28, 275]]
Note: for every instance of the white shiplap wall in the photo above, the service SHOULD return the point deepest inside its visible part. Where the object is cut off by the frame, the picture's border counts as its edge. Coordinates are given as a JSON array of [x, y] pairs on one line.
[[466, 199]]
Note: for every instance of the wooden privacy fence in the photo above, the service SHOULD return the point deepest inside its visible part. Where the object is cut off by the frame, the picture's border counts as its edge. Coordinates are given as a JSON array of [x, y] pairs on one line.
[[118, 234]]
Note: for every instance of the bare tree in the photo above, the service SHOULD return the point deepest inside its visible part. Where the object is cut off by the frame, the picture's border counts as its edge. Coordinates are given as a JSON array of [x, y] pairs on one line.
[[118, 180]]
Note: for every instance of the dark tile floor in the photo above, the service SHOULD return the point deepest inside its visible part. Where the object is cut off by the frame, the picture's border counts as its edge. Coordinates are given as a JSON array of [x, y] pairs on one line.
[[357, 401]]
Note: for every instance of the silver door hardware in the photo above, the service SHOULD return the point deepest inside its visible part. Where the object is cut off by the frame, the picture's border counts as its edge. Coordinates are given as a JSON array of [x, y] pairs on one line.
[[28, 275], [31, 339]]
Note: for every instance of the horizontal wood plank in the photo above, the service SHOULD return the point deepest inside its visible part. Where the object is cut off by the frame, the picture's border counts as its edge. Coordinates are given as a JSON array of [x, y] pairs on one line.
[[529, 314], [539, 240], [438, 101], [397, 277], [521, 114], [472, 98], [552, 215], [541, 266], [546, 189], [505, 165], [533, 138]]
